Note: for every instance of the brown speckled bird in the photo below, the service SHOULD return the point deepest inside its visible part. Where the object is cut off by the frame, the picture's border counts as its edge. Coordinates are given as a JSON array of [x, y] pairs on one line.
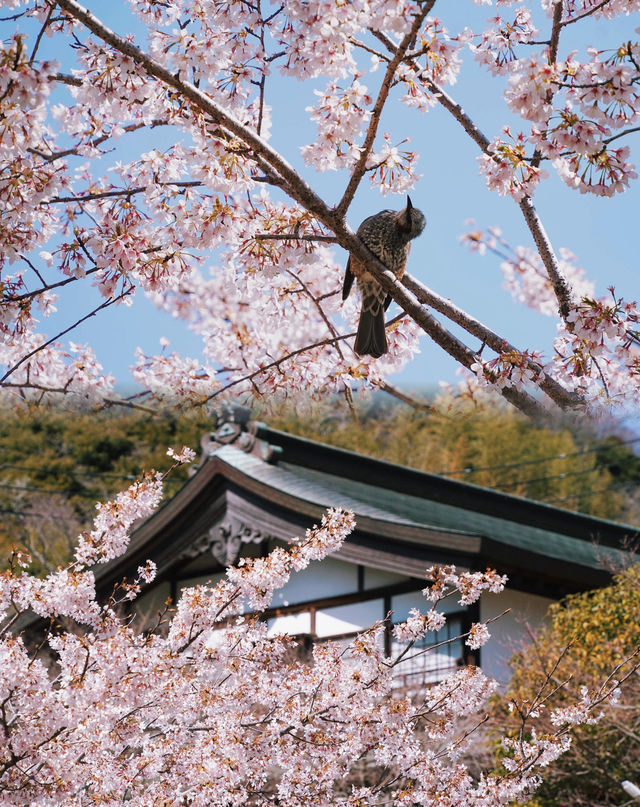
[[387, 234]]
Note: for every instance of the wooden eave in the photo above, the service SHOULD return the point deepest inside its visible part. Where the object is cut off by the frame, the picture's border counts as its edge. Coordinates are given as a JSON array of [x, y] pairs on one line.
[[284, 498]]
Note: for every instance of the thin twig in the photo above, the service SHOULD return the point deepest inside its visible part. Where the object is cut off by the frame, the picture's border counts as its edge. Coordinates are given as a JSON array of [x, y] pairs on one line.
[[289, 356], [376, 113], [89, 197], [331, 239], [40, 35], [621, 134], [391, 389], [330, 326], [29, 294], [586, 13], [98, 141], [107, 303]]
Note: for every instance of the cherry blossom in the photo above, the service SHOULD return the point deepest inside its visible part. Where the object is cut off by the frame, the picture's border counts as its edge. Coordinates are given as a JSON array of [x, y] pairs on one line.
[[209, 706], [506, 168], [146, 164], [596, 352]]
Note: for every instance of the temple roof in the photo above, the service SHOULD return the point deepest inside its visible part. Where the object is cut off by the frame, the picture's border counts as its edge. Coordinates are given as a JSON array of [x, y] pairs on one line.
[[276, 484]]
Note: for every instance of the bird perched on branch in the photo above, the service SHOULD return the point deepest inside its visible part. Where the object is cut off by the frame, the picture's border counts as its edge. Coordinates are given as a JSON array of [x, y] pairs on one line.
[[388, 235]]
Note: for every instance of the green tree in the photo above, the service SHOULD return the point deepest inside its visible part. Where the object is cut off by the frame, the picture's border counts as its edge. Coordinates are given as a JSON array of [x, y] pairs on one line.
[[54, 467], [586, 637]]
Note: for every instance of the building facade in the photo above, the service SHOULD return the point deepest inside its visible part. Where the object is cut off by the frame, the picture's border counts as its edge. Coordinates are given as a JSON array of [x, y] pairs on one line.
[[256, 488]]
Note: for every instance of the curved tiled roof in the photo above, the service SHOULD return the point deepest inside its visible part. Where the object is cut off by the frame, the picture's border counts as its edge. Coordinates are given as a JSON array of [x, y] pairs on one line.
[[405, 518]]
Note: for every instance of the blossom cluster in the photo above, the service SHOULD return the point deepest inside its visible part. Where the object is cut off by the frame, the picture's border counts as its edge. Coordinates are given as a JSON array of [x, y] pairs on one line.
[[506, 168], [215, 708], [446, 580], [116, 172], [597, 350]]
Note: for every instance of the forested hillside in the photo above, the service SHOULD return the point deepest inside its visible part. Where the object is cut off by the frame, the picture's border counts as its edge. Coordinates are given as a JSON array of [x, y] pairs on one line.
[[54, 466]]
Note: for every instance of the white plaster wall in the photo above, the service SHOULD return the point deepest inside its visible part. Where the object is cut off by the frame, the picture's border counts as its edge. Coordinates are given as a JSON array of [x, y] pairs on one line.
[[509, 633], [292, 624], [327, 579], [403, 603], [330, 621], [348, 618]]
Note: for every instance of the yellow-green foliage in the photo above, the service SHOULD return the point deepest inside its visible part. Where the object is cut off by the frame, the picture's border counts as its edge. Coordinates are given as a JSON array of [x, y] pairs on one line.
[[600, 629], [55, 466]]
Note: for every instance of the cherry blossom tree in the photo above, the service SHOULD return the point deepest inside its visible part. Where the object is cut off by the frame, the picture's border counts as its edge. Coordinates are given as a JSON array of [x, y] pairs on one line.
[[205, 707], [198, 75]]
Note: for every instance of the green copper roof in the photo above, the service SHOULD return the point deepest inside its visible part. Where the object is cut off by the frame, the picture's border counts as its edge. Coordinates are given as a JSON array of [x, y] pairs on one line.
[[387, 505]]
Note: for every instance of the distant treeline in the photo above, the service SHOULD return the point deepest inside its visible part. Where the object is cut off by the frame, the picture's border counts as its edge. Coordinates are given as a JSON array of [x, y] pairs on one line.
[[55, 466]]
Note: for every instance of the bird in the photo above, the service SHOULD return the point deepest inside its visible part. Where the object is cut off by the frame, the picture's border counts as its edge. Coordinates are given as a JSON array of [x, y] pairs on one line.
[[388, 235]]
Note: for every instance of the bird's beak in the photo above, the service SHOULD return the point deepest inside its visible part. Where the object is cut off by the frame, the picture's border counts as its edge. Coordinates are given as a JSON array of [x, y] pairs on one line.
[[409, 205]]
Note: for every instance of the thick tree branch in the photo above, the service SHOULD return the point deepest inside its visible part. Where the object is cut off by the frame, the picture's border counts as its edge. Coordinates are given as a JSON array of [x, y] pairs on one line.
[[555, 32], [561, 287], [298, 189], [450, 343], [296, 186], [562, 397]]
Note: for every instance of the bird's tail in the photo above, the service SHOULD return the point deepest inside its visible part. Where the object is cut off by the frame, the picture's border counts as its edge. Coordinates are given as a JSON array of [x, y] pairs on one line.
[[371, 339]]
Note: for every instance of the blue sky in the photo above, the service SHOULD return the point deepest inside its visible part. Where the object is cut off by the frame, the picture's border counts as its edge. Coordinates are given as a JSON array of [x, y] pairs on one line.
[[601, 232]]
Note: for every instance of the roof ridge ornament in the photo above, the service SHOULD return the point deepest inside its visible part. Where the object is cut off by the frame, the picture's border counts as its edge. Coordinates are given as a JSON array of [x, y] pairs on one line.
[[234, 427]]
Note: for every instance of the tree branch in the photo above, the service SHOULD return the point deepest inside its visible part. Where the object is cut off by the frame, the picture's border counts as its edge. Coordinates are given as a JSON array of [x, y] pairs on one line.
[[554, 39], [586, 13], [445, 100], [297, 187], [29, 294], [132, 127], [561, 287], [365, 151], [277, 362], [89, 197], [401, 395], [558, 394], [559, 282], [294, 237], [107, 303], [621, 134], [299, 190]]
